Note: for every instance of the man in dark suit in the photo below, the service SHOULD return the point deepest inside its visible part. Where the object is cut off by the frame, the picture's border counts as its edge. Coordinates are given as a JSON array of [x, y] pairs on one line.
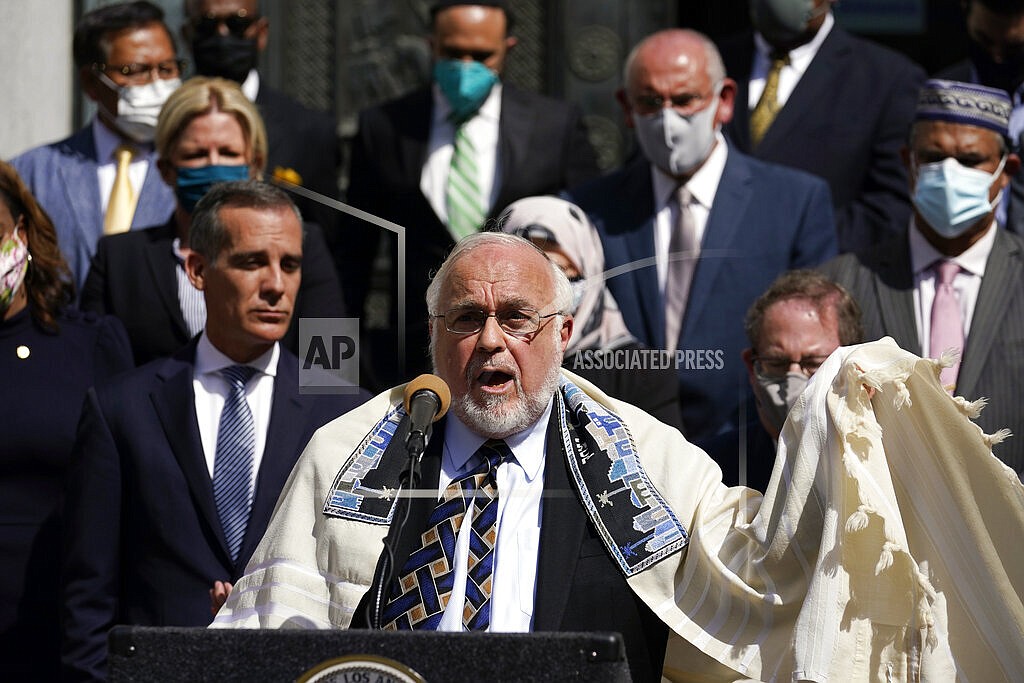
[[995, 58], [958, 140], [841, 109], [524, 144], [693, 230], [226, 38], [127, 64], [178, 464]]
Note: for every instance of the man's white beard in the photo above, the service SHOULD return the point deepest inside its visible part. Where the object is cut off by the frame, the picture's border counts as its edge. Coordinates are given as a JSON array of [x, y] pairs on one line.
[[499, 416]]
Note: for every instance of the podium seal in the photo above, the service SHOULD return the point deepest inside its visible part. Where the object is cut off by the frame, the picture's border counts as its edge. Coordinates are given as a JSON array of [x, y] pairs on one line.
[[360, 669]]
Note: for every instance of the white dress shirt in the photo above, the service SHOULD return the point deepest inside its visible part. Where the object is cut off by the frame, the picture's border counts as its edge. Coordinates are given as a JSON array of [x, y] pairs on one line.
[[211, 390], [966, 284], [520, 490], [251, 85], [703, 185], [106, 142], [482, 129], [799, 59]]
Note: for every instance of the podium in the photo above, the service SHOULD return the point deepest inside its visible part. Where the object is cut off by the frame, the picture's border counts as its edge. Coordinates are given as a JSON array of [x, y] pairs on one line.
[[139, 653]]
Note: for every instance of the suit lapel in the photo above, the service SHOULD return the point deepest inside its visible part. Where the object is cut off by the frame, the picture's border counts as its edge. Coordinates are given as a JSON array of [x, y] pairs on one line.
[[1001, 282], [813, 86], [82, 190], [724, 221], [640, 265], [894, 293], [287, 419], [175, 406], [563, 525], [514, 128], [160, 260]]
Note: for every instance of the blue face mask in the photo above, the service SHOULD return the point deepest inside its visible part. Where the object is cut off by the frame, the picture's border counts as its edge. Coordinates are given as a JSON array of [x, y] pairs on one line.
[[952, 197], [193, 183], [464, 84]]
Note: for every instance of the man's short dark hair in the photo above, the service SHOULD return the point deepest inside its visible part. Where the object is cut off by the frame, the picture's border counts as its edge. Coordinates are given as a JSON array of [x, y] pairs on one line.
[[820, 292], [208, 235], [95, 26], [498, 4]]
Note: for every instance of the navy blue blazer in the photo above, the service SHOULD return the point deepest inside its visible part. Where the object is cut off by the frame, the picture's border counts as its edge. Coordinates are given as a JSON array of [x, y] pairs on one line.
[[765, 219], [62, 176], [143, 542], [845, 121]]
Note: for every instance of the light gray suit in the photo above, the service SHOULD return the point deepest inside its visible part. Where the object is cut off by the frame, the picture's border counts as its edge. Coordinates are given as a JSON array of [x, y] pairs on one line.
[[62, 176], [882, 282]]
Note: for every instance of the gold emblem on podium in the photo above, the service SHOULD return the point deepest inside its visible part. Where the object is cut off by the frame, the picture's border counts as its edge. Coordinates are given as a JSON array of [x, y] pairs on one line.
[[360, 669]]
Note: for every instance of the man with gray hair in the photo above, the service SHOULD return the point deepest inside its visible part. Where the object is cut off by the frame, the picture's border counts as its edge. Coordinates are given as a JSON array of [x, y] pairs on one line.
[[177, 464], [546, 505], [694, 230]]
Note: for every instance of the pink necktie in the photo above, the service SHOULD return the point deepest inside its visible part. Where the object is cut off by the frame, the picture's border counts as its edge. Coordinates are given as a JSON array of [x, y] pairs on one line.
[[947, 322]]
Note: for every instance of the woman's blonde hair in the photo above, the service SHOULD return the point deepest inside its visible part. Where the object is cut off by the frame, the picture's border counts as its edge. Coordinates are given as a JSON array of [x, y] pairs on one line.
[[200, 95]]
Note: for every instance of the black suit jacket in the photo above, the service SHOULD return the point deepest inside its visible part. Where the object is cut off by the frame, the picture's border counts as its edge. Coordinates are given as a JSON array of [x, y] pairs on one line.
[[993, 358], [846, 121], [143, 542], [543, 148], [305, 141], [579, 587], [133, 277]]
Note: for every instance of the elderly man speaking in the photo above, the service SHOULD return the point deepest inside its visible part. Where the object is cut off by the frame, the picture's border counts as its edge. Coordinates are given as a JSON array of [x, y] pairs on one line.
[[565, 509]]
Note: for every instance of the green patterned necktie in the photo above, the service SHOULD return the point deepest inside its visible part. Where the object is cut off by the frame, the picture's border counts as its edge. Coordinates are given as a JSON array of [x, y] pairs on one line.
[[466, 210]]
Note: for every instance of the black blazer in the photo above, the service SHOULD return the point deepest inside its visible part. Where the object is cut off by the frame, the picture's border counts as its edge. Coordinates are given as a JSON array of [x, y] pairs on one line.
[[579, 587], [543, 148], [846, 121], [993, 358], [133, 277], [143, 542], [305, 141]]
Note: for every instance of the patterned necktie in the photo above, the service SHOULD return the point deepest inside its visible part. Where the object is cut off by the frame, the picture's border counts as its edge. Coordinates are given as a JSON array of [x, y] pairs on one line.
[[682, 261], [947, 321], [419, 597], [121, 205], [465, 207], [232, 465], [768, 106]]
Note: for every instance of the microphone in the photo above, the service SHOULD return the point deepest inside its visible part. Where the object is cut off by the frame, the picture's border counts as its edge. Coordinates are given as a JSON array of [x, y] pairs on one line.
[[426, 401]]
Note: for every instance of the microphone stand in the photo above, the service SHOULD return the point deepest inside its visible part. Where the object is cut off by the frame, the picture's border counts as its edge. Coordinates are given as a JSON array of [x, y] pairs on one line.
[[409, 480]]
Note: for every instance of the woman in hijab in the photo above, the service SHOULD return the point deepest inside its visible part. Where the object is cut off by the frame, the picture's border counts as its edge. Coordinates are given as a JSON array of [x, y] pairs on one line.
[[600, 347]]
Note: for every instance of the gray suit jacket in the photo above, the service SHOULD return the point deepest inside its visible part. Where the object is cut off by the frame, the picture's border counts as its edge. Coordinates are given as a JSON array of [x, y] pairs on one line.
[[62, 176], [993, 360]]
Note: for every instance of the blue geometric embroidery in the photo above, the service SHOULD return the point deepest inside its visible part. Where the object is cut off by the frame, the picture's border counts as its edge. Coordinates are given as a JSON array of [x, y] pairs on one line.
[[640, 534]]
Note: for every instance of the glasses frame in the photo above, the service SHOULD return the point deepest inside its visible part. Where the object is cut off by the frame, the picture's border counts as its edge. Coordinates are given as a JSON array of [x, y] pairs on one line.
[[535, 315], [134, 71], [759, 361]]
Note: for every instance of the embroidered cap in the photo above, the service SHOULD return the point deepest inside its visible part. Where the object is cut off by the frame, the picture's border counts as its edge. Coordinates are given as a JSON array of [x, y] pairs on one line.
[[967, 103]]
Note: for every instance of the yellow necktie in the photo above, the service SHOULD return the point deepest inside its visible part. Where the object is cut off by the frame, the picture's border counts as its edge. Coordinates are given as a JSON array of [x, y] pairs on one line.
[[121, 206], [768, 106]]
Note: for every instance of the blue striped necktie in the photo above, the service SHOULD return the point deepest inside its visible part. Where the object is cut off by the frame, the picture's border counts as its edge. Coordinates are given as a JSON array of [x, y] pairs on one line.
[[418, 600], [232, 465]]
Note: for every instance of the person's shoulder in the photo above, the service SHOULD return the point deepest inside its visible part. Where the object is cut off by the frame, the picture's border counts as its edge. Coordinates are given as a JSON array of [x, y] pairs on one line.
[[960, 71], [74, 147], [775, 175], [601, 190], [545, 103], [885, 61], [288, 105], [132, 240]]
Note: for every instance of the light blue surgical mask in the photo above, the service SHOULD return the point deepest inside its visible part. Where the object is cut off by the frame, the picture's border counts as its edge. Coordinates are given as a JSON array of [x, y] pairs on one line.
[[464, 84], [193, 183], [952, 197]]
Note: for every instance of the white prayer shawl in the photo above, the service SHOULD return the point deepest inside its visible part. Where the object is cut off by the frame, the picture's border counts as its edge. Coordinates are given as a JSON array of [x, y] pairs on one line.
[[888, 546]]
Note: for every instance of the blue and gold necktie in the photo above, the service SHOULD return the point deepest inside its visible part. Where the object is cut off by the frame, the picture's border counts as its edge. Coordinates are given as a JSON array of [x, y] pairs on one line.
[[419, 597]]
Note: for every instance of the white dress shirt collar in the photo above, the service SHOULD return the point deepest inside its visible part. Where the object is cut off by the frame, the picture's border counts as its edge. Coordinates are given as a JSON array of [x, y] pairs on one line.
[[528, 446], [251, 85], [972, 260], [209, 359]]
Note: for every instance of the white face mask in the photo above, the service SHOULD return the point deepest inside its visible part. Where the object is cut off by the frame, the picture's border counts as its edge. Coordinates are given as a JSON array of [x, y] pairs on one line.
[[952, 197], [675, 143], [138, 106]]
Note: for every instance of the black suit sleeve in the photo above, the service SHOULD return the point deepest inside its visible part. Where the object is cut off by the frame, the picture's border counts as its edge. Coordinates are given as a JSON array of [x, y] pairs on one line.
[[91, 547], [93, 295]]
